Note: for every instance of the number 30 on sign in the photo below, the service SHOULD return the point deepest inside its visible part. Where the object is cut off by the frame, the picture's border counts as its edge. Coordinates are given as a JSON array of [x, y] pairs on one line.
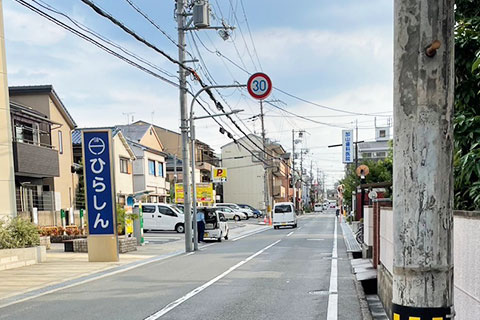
[[259, 86]]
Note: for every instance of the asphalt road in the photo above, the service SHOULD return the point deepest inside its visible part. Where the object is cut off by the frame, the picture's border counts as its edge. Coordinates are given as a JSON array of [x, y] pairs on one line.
[[276, 274]]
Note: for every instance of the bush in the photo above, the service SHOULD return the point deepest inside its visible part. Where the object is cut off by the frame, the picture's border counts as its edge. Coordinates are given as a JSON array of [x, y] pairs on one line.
[[18, 233]]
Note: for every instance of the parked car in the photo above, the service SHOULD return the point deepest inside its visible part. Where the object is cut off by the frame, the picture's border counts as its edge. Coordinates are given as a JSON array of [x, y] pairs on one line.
[[216, 226], [332, 204], [162, 216], [284, 215], [233, 214], [318, 207], [256, 213], [236, 207]]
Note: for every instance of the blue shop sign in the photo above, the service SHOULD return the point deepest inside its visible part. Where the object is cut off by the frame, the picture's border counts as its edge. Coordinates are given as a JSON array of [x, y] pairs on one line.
[[98, 182]]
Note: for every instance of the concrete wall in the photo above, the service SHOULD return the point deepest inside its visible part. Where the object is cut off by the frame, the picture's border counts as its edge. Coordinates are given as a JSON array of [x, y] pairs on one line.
[[386, 238], [245, 178], [466, 261], [368, 225], [16, 258]]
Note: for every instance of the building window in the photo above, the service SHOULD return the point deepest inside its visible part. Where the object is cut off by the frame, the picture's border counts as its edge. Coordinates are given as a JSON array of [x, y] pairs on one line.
[[124, 165], [382, 134], [151, 167], [60, 142], [160, 169], [381, 154], [366, 155]]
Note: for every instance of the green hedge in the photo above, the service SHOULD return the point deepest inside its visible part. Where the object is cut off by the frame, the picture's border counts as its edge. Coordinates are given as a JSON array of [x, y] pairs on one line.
[[18, 233]]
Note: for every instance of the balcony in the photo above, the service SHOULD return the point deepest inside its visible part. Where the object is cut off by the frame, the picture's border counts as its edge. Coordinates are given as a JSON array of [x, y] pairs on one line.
[[279, 192], [279, 168], [35, 160]]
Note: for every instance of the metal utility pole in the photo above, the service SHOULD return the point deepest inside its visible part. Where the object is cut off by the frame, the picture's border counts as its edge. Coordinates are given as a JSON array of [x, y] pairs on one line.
[[422, 166], [265, 171], [356, 144], [181, 14]]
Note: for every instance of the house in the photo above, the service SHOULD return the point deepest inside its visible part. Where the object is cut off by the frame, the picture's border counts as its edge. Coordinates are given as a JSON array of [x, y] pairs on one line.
[[205, 157], [245, 181], [149, 174], [378, 149], [43, 154], [123, 158]]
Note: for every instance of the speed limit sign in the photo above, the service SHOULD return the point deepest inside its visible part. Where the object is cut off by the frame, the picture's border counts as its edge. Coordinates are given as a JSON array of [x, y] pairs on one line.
[[259, 86]]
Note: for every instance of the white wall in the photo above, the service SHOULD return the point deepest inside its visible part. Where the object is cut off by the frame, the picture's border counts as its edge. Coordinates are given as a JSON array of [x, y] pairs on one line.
[[466, 238], [123, 181], [368, 225], [386, 238], [244, 177]]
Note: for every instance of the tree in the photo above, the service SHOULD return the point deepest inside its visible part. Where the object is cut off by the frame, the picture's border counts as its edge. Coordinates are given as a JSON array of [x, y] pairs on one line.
[[467, 106], [380, 171]]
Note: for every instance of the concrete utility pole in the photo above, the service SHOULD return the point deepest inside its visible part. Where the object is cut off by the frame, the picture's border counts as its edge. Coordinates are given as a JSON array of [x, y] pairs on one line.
[[422, 170], [8, 205], [293, 170], [265, 172], [181, 14]]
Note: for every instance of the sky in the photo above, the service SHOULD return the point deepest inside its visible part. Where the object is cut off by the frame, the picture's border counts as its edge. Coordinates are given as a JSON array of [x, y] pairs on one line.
[[337, 54]]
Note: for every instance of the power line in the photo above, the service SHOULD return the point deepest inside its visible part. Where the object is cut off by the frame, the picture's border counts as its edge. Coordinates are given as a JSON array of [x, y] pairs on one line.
[[103, 38], [94, 42], [250, 33]]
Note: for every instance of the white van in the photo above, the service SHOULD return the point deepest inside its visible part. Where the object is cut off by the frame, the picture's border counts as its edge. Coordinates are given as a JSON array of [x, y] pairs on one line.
[[284, 215], [318, 207], [162, 216]]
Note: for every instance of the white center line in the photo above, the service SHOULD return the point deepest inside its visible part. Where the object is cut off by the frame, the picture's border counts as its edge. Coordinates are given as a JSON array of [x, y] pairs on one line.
[[288, 235], [196, 291], [251, 233], [332, 313]]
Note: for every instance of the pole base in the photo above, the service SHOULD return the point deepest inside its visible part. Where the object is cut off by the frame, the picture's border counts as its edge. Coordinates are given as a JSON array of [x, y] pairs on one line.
[[414, 313]]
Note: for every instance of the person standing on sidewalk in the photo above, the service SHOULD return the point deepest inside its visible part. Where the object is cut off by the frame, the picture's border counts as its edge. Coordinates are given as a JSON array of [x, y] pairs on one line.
[[200, 225]]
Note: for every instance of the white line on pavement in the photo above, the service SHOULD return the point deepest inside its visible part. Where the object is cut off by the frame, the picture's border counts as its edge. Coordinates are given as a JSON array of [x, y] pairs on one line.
[[196, 291], [288, 235], [332, 312], [252, 233]]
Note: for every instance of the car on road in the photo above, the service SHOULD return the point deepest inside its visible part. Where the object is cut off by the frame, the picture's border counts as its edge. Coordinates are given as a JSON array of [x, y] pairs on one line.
[[318, 207], [332, 204], [162, 216], [256, 213], [216, 226], [236, 207], [284, 215], [233, 214]]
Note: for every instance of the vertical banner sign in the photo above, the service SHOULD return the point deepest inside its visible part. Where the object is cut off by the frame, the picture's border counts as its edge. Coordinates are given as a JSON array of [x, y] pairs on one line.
[[347, 143], [100, 200]]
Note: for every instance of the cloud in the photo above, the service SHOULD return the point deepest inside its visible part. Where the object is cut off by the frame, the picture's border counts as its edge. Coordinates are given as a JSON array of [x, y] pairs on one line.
[[31, 29]]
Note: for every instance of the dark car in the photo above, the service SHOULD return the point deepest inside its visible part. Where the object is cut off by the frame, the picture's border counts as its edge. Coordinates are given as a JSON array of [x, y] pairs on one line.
[[256, 213]]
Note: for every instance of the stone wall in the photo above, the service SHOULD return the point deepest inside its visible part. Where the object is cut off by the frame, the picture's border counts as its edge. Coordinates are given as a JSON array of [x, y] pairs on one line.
[[16, 258], [124, 245], [385, 288]]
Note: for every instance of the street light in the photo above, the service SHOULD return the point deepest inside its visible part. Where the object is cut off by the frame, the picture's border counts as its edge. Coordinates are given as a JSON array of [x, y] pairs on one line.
[[188, 224]]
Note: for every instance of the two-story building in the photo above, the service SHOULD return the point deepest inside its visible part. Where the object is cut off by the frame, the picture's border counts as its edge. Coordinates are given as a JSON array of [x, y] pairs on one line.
[[205, 158], [245, 181], [43, 154], [149, 166]]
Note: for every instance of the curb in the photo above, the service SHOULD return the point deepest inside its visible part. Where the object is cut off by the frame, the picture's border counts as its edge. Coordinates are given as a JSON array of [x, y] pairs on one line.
[[366, 315]]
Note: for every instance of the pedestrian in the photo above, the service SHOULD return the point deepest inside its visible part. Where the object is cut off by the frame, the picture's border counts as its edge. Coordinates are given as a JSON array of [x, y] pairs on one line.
[[200, 225]]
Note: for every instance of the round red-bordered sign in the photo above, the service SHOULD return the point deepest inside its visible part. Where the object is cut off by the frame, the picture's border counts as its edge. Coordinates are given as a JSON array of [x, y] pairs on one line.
[[259, 85]]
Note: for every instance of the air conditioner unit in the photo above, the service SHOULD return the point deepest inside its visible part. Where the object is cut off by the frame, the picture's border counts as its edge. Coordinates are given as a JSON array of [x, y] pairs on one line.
[[201, 14]]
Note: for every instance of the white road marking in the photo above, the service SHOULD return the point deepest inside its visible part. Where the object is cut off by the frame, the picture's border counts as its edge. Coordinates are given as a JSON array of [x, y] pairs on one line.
[[332, 311], [189, 254], [196, 291], [252, 233], [315, 239], [288, 235]]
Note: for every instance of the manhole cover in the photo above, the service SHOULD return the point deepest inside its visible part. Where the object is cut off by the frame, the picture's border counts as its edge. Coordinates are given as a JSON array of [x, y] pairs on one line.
[[319, 292]]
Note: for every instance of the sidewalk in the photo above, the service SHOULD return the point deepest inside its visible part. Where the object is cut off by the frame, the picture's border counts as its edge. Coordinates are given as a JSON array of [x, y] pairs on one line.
[[62, 267]]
